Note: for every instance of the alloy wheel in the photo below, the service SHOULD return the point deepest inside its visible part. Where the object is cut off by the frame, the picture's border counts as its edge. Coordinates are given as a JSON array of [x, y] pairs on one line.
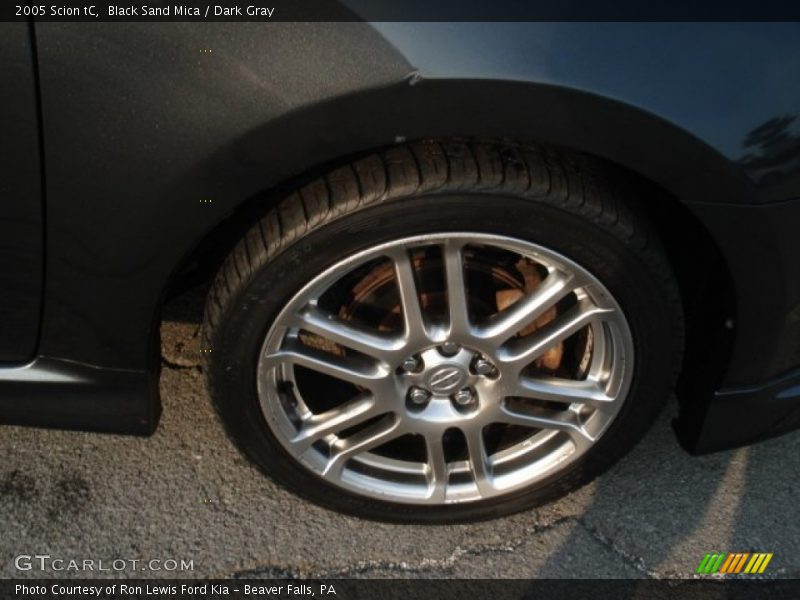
[[445, 368]]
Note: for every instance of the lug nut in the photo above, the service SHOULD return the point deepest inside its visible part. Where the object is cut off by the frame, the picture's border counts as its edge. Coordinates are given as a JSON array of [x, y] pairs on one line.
[[410, 364], [463, 397], [484, 367], [418, 396], [449, 348]]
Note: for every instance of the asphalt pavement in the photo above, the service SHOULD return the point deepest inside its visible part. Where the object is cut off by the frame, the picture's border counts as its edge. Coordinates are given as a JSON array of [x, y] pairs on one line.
[[186, 494]]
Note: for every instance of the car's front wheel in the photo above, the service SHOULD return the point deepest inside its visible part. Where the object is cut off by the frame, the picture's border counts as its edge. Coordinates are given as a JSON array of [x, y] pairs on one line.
[[443, 332]]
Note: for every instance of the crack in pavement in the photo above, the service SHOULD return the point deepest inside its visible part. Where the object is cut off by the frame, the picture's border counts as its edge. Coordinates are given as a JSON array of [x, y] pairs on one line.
[[639, 564], [433, 565], [425, 566], [446, 565], [635, 562]]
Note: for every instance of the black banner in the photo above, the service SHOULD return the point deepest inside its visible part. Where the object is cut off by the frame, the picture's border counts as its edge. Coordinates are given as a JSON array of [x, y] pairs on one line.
[[393, 10], [406, 589]]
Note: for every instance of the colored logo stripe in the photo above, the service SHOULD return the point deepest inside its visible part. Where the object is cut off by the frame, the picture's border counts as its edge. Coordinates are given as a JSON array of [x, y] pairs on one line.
[[727, 564], [711, 562], [703, 563], [734, 562], [758, 563], [738, 562]]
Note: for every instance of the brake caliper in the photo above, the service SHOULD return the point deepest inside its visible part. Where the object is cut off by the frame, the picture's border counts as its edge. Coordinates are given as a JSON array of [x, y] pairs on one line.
[[551, 359]]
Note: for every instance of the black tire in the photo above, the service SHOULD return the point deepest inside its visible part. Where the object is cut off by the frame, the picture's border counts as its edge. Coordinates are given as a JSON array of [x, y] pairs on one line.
[[559, 201]]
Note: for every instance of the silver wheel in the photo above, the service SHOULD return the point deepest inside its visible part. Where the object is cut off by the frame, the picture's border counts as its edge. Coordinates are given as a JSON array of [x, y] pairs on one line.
[[445, 368]]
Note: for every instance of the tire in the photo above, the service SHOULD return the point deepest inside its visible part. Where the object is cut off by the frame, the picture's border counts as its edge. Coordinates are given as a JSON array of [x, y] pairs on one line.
[[564, 204]]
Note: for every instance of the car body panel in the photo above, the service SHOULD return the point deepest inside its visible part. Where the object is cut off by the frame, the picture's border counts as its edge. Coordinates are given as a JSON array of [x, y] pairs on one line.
[[134, 139], [21, 244], [156, 134], [719, 81]]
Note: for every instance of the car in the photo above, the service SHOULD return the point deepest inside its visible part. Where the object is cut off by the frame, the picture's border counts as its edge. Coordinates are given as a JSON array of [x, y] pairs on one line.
[[453, 270]]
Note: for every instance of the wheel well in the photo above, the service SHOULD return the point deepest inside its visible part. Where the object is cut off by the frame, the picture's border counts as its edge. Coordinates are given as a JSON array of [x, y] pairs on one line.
[[706, 288], [705, 282]]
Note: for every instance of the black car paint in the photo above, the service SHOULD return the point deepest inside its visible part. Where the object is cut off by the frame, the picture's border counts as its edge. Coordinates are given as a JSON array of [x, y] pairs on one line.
[[21, 231], [140, 126]]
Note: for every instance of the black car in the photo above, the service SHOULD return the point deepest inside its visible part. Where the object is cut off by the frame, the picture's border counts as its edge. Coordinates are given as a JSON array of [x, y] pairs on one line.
[[454, 269]]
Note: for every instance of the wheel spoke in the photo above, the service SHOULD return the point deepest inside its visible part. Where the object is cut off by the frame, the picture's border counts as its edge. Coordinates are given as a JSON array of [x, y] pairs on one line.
[[337, 419], [438, 472], [527, 309], [520, 353], [456, 288], [566, 421], [567, 391], [479, 461], [371, 437], [355, 370], [415, 329], [316, 321]]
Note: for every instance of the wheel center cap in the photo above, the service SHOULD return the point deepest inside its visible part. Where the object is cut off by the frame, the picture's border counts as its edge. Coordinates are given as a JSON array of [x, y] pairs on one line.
[[445, 379]]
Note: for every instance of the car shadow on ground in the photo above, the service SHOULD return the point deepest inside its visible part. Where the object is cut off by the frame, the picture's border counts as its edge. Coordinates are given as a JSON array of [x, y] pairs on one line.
[[662, 510]]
